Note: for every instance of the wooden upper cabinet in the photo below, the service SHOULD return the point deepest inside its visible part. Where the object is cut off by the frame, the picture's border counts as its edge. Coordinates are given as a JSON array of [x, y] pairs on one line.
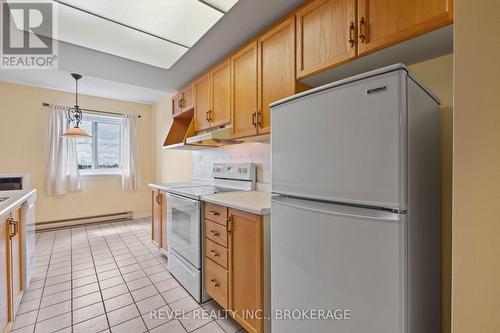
[[382, 23], [183, 100], [244, 100], [220, 109], [276, 69], [326, 35], [187, 97], [177, 104], [201, 91], [246, 294]]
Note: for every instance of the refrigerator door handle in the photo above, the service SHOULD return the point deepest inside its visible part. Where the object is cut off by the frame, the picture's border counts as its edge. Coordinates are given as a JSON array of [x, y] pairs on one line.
[[335, 209]]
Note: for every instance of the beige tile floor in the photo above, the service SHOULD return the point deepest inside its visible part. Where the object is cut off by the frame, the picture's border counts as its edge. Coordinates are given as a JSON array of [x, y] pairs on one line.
[[110, 278]]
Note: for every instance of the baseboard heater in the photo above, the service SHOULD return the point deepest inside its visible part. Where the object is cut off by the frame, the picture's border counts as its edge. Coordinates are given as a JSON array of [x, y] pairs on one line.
[[68, 223]]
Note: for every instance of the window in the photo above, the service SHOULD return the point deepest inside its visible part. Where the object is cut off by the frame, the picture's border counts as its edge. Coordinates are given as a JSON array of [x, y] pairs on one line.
[[100, 154]]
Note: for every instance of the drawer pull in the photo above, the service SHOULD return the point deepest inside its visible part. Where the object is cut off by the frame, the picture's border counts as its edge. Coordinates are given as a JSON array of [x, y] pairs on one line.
[[213, 253], [213, 233], [214, 213], [214, 283], [14, 224]]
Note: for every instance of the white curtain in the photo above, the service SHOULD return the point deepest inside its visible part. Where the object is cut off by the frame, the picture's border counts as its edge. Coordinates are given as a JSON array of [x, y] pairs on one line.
[[62, 167], [131, 176]]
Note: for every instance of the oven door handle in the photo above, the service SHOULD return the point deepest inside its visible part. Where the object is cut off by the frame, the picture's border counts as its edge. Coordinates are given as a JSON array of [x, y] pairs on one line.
[[178, 197]]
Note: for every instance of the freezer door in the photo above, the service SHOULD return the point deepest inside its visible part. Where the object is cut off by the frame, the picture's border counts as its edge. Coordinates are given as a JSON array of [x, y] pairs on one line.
[[344, 144], [338, 258]]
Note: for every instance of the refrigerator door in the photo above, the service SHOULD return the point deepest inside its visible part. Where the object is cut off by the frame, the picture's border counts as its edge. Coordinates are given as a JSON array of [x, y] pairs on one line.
[[345, 259], [344, 144]]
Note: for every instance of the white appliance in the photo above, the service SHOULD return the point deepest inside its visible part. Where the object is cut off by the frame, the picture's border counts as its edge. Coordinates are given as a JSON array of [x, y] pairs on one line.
[[184, 222], [355, 228]]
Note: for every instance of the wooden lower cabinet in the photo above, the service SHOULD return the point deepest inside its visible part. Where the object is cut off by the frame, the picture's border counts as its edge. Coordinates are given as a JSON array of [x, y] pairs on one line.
[[234, 267], [11, 277], [158, 234], [15, 250], [4, 275]]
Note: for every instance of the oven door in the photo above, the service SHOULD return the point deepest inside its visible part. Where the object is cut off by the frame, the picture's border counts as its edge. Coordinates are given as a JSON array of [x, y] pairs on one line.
[[184, 228]]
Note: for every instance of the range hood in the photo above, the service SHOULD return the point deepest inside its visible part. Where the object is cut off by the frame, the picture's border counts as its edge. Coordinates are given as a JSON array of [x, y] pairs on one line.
[[181, 135], [217, 137]]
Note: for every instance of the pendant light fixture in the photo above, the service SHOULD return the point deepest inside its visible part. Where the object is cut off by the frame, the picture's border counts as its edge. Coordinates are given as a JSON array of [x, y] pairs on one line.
[[75, 115]]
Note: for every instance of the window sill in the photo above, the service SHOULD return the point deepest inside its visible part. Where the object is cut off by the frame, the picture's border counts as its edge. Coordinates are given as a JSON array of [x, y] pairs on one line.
[[114, 174]]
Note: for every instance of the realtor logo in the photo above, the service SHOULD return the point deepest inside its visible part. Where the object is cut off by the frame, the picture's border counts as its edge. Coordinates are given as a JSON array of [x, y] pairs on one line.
[[28, 35]]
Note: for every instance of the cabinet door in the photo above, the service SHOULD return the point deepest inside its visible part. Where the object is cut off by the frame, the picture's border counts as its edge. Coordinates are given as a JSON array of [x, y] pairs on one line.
[[201, 90], [187, 97], [324, 31], [15, 250], [246, 269], [156, 217], [4, 275], [244, 100], [276, 69], [386, 22], [221, 97], [177, 104]]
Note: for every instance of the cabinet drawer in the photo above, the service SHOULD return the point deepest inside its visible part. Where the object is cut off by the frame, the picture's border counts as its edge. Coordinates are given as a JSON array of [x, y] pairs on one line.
[[216, 252], [216, 282], [216, 232], [216, 213]]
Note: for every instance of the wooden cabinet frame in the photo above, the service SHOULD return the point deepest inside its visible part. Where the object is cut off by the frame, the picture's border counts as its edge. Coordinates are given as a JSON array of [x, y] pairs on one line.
[[368, 45], [332, 44], [247, 113]]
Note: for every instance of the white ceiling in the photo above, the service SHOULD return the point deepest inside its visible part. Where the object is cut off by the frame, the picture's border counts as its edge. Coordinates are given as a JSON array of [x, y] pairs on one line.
[[62, 80], [153, 32], [121, 78]]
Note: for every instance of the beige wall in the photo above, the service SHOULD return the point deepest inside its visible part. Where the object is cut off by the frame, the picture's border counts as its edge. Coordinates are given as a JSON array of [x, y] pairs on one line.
[[171, 165], [437, 75], [476, 168], [23, 148]]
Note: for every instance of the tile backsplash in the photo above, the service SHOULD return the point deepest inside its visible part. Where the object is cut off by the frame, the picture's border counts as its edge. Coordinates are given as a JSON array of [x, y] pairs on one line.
[[252, 152]]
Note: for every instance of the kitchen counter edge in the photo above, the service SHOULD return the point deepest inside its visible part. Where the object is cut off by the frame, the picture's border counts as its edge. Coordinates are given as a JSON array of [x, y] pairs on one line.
[[15, 200], [238, 203]]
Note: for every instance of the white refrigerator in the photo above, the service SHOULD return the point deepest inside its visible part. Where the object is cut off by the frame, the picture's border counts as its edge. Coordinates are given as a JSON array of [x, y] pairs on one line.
[[355, 224]]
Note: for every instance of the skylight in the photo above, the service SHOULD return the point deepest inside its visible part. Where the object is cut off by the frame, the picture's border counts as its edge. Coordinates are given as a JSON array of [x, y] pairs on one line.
[[154, 32]]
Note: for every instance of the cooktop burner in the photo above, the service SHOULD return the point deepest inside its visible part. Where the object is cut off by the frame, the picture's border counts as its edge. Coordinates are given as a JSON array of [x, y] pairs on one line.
[[203, 190]]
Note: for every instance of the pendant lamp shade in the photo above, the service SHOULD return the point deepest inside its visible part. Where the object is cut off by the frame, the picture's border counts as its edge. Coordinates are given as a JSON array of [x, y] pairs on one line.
[[76, 132]]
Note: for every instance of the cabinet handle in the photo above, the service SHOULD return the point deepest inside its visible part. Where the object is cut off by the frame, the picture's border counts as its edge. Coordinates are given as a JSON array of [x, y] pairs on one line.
[[259, 118], [210, 115], [14, 224], [213, 233], [214, 283], [362, 34], [214, 254], [351, 31], [158, 199], [214, 213], [254, 122], [180, 103], [206, 116], [229, 226]]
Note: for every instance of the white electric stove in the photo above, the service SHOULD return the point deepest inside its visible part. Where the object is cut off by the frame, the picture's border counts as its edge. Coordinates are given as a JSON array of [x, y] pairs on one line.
[[184, 221]]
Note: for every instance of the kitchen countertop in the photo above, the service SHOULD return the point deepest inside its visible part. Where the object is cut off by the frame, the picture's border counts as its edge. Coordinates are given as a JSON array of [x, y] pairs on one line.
[[249, 201], [15, 198]]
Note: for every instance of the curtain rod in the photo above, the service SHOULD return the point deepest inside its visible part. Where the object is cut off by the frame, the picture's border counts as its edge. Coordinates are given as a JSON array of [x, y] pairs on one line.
[[98, 111]]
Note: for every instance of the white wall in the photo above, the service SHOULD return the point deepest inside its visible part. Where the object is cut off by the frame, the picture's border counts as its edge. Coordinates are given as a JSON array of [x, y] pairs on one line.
[[170, 165]]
